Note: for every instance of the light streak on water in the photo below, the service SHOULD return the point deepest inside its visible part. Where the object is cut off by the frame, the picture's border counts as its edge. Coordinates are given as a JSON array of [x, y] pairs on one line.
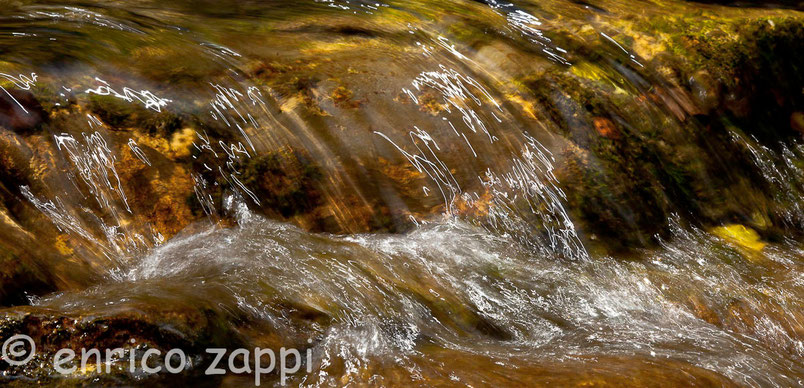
[[145, 97], [22, 82]]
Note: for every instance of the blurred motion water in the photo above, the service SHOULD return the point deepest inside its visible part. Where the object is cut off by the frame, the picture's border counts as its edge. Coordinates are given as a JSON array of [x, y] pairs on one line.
[[431, 193]]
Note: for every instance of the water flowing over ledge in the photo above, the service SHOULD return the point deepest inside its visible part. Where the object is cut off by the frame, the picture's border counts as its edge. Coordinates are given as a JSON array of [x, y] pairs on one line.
[[474, 193]]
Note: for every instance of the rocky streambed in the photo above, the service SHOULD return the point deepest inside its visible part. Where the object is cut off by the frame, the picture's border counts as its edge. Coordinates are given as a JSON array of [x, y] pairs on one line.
[[432, 193]]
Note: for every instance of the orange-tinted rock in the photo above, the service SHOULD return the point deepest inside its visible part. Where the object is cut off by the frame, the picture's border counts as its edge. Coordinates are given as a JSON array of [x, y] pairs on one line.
[[159, 192], [606, 128]]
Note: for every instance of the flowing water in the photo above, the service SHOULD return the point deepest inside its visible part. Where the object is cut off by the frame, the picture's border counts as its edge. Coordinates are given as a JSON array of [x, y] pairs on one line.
[[428, 232]]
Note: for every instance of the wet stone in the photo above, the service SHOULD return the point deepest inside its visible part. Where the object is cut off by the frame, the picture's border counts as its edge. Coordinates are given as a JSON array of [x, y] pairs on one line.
[[20, 111]]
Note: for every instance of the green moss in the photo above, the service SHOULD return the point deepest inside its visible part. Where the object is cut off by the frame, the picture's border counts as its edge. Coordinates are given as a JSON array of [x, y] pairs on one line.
[[285, 181], [122, 114], [113, 111]]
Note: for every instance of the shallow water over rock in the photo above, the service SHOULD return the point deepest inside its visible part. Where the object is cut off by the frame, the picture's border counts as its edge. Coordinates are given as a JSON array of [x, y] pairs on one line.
[[474, 193]]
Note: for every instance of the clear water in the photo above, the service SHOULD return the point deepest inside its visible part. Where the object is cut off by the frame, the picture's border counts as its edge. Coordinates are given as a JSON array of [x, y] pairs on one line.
[[487, 281]]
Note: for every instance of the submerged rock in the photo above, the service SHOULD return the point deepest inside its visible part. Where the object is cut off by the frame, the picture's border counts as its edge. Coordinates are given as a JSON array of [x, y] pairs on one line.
[[644, 105], [20, 111], [126, 329], [558, 126], [21, 278]]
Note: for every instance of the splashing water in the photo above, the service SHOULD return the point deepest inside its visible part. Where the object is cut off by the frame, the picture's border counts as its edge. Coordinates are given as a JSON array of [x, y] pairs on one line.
[[474, 193]]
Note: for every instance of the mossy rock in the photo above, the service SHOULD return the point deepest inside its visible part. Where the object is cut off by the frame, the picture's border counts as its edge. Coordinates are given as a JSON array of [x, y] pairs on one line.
[[122, 114], [285, 181]]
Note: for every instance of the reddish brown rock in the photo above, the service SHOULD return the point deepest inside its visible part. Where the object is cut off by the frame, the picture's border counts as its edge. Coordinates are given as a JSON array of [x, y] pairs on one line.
[[20, 111]]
